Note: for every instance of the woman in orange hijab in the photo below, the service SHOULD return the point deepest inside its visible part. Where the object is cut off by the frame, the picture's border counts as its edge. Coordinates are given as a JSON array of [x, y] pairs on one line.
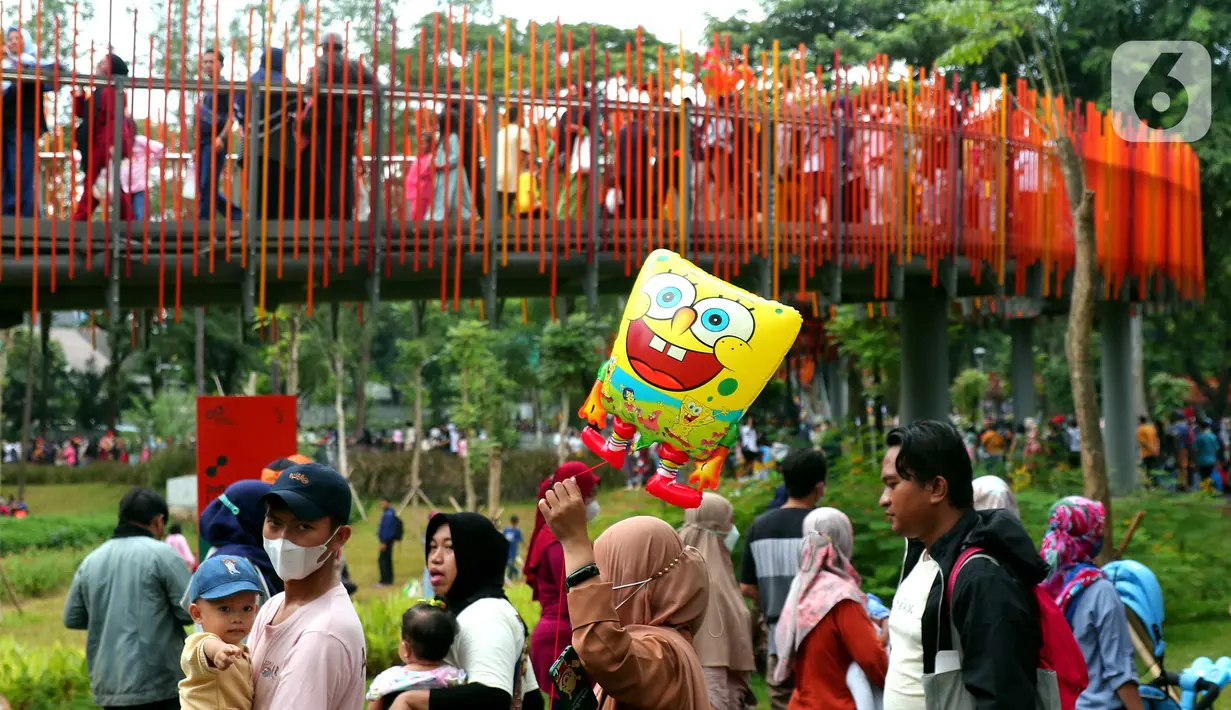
[[636, 598], [544, 572]]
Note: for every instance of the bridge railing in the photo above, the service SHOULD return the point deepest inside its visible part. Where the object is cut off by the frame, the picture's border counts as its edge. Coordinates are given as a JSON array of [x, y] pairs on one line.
[[878, 169]]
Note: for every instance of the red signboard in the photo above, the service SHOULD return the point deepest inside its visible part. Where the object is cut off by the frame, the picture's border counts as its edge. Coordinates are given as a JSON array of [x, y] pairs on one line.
[[238, 436]]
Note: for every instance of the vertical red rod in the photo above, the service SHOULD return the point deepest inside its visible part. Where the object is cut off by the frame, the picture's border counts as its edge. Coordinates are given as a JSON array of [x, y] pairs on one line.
[[444, 135], [298, 153], [347, 81]]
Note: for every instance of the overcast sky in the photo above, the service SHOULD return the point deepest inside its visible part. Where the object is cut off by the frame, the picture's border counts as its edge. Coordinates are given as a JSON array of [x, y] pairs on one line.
[[663, 18]]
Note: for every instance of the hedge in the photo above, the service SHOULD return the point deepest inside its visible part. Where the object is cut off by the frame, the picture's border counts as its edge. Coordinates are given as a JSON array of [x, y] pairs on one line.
[[53, 531], [180, 461], [378, 474]]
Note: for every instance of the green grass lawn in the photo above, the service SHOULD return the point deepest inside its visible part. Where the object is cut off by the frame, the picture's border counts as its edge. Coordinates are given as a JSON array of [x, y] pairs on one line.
[[1208, 632]]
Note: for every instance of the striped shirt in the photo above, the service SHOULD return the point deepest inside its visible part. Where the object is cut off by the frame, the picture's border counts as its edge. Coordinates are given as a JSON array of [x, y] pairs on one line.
[[771, 560]]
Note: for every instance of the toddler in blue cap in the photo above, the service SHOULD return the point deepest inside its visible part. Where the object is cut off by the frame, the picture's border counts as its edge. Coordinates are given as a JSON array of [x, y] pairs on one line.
[[216, 663]]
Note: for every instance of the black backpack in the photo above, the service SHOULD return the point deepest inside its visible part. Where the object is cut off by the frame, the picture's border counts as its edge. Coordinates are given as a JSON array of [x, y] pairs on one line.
[[399, 529]]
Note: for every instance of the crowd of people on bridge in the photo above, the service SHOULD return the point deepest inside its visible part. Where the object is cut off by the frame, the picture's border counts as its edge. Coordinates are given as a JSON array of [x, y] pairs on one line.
[[642, 617], [301, 140]]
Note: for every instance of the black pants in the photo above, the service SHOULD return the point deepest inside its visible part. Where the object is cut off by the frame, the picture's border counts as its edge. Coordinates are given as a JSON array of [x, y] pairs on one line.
[[385, 562], [172, 704]]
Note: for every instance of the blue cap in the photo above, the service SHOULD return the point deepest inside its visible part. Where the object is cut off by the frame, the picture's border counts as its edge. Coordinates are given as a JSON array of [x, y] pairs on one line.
[[223, 575]]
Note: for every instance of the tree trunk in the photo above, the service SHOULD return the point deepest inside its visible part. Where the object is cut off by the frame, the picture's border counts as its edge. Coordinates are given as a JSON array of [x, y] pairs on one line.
[[6, 345], [536, 408], [361, 376], [292, 365], [1140, 406], [113, 378], [562, 446], [339, 406], [44, 371], [1078, 336], [495, 466], [472, 502], [27, 406], [199, 350], [417, 451]]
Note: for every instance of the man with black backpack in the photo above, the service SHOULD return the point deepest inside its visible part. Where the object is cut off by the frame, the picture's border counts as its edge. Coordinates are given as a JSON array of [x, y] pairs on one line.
[[389, 532], [968, 573]]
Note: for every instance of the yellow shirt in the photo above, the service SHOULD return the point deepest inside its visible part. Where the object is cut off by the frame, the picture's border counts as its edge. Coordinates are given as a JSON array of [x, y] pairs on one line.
[[993, 442], [1147, 440], [207, 688]]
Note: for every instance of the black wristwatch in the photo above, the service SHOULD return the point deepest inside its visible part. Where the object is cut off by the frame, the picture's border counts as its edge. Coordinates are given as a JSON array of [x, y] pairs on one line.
[[581, 574]]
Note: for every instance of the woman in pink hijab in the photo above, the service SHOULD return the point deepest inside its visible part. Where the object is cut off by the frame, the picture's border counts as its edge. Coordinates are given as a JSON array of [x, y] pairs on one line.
[[824, 633]]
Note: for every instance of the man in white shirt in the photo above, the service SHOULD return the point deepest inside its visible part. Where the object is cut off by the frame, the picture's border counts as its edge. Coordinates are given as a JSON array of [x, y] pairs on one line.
[[929, 500], [512, 158]]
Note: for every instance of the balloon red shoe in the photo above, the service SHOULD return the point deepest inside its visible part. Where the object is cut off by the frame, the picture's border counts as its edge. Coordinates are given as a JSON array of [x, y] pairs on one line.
[[667, 489], [602, 448]]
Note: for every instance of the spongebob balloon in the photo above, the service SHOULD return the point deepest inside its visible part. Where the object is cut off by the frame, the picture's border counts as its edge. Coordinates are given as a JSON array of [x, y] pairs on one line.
[[692, 354]]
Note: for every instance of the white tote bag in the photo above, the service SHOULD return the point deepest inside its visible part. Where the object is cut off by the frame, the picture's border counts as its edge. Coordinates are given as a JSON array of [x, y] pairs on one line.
[[579, 161], [866, 695]]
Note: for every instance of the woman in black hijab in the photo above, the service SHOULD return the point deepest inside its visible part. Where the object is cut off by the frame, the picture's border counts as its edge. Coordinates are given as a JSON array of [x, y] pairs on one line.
[[466, 558]]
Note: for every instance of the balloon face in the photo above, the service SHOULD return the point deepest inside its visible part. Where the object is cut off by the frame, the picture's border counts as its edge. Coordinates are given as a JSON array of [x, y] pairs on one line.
[[692, 354]]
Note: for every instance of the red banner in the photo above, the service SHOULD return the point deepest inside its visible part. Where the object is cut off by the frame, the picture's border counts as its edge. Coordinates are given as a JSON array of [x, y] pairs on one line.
[[238, 436]]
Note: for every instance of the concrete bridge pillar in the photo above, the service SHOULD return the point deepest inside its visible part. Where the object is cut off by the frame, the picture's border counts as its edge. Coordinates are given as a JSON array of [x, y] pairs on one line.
[[1119, 431], [1021, 332], [925, 354]]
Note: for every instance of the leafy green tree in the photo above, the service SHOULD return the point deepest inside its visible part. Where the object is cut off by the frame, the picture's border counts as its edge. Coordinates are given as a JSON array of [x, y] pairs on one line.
[[968, 391], [483, 392], [569, 354], [1167, 394], [171, 415]]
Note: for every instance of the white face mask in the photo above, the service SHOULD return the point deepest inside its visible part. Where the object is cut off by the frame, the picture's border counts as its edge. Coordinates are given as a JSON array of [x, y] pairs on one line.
[[731, 539], [592, 509], [293, 562]]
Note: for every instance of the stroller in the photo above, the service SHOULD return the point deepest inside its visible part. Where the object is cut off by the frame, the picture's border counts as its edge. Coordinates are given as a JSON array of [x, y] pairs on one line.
[[1196, 687]]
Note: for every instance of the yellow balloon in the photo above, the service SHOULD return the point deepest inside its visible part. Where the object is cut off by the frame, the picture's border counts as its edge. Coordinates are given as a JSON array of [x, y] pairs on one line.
[[692, 354]]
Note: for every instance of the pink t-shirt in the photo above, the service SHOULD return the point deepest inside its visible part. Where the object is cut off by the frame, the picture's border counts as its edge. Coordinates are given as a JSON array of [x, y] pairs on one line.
[[314, 660]]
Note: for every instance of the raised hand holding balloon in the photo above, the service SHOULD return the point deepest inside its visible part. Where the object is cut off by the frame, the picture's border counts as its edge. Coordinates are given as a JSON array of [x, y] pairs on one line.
[[692, 354]]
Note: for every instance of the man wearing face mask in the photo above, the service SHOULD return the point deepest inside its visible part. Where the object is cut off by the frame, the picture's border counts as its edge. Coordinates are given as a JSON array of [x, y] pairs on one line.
[[307, 644], [126, 596]]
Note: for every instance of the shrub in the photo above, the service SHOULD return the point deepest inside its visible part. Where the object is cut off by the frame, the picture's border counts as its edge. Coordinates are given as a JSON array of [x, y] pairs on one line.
[[382, 624], [36, 575], [387, 473], [43, 678], [154, 473], [52, 532]]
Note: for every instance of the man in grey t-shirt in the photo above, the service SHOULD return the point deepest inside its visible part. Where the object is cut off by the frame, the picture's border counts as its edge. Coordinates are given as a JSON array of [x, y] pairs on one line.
[[771, 554]]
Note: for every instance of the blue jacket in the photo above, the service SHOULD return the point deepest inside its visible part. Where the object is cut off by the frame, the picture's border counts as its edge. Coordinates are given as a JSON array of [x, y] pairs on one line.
[[126, 595], [388, 526]]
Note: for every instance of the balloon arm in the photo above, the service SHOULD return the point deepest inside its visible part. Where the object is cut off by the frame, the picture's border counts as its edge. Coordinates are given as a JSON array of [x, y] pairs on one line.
[[707, 471], [592, 410]]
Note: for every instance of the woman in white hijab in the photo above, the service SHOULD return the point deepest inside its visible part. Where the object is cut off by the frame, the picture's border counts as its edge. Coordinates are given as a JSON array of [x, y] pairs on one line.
[[22, 128], [724, 641], [991, 493]]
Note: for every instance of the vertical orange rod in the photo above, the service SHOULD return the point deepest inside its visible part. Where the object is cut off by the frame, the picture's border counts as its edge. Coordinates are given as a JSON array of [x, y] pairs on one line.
[[315, 109], [329, 147], [445, 136], [575, 118], [298, 153], [282, 155], [534, 142]]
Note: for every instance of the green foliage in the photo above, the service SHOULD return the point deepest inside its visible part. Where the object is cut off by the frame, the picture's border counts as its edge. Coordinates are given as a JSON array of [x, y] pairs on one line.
[[570, 351], [1167, 394], [38, 532], [386, 473], [874, 345], [38, 678], [176, 461], [483, 389], [44, 573], [382, 623], [968, 391], [171, 415]]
